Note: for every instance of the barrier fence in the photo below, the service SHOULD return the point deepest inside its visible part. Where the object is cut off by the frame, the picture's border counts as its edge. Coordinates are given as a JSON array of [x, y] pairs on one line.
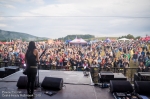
[[128, 72]]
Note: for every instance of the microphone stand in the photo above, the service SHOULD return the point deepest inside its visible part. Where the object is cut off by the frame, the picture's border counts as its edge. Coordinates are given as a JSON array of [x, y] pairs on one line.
[[38, 66]]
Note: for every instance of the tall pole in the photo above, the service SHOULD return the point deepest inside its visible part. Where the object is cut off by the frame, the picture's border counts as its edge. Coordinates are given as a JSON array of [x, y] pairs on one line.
[[91, 46]]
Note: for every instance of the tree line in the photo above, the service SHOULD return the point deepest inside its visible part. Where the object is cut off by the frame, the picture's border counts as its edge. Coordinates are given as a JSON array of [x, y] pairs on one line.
[[71, 37], [129, 36]]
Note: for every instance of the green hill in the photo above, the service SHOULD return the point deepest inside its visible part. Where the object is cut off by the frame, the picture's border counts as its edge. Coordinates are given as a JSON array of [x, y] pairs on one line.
[[10, 35]]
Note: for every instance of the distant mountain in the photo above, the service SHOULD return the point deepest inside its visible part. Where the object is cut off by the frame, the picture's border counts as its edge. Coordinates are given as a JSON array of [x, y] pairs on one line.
[[10, 35]]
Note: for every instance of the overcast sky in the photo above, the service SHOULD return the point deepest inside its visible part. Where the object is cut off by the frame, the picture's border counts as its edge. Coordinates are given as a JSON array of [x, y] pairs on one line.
[[58, 18]]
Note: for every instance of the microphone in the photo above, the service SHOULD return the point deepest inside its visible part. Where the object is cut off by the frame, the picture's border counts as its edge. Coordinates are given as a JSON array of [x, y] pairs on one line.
[[43, 53]]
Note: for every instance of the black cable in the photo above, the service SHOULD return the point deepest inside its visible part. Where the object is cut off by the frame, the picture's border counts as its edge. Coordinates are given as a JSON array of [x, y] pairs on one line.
[[83, 16], [42, 53], [38, 67], [64, 86], [76, 84]]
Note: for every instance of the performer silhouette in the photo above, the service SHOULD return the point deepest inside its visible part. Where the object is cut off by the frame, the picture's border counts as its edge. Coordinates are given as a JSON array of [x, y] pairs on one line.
[[31, 59]]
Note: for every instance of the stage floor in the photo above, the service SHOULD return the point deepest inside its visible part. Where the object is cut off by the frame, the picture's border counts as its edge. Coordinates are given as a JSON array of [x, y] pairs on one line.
[[77, 86]]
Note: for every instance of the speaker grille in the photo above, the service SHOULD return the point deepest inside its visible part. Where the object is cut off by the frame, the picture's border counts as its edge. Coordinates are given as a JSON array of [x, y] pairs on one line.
[[142, 87], [120, 86], [52, 83], [22, 82]]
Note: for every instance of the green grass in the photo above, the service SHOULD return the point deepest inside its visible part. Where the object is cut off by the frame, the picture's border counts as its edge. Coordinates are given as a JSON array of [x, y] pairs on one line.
[[103, 38]]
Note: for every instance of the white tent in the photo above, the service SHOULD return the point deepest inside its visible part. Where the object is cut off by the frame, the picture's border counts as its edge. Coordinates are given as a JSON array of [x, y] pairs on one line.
[[78, 41], [124, 39]]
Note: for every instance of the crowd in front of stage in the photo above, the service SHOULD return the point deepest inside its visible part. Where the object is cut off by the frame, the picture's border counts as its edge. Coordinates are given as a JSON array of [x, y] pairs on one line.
[[74, 57]]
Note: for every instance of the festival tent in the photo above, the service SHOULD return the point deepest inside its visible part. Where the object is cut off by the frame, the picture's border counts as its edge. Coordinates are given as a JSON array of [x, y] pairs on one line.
[[78, 41], [124, 39], [67, 41], [107, 40], [142, 38], [147, 38], [1, 42], [5, 42], [93, 41]]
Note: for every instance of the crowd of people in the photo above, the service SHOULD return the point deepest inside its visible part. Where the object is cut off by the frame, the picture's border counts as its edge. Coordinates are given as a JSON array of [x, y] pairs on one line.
[[78, 57]]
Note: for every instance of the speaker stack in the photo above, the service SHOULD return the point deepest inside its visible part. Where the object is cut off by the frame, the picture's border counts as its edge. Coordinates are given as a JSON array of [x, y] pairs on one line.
[[120, 86], [48, 83], [52, 83], [22, 82], [142, 87], [121, 89]]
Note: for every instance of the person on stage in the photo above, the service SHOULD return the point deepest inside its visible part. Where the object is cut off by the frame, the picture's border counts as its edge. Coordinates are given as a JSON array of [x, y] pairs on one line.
[[31, 58]]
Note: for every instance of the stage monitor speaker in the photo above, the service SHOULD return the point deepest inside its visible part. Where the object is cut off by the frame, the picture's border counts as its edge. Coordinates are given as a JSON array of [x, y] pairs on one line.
[[22, 82], [142, 87], [107, 75], [120, 86], [2, 73], [52, 83], [136, 77]]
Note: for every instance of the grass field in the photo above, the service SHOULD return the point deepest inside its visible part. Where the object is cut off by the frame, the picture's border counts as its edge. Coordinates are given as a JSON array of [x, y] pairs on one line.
[[104, 38]]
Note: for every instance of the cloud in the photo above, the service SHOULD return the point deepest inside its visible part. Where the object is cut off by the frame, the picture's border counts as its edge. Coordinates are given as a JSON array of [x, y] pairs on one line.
[[111, 7], [117, 22], [10, 6], [134, 8], [3, 25], [18, 1], [59, 18], [40, 2], [23, 16], [12, 1], [57, 10], [2, 18]]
